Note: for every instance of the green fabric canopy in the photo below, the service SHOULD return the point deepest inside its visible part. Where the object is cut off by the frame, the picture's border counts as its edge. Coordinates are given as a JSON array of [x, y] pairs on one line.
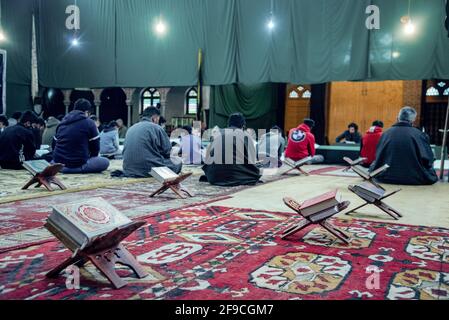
[[314, 41], [258, 103]]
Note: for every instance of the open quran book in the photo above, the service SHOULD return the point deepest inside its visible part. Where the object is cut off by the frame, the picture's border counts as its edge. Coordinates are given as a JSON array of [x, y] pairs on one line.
[[365, 174], [299, 163], [35, 166], [80, 223], [369, 191], [354, 162]]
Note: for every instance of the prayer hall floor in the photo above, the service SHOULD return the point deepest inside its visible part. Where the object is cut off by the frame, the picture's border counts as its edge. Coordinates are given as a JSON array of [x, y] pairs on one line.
[[225, 244], [420, 205]]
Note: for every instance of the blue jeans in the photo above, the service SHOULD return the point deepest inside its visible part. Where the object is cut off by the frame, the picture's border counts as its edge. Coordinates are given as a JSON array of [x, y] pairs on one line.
[[93, 165]]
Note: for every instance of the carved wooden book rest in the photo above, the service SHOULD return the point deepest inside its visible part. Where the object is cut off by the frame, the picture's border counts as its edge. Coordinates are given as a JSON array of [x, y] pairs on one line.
[[297, 165], [176, 187], [319, 218], [104, 253], [377, 201], [46, 178]]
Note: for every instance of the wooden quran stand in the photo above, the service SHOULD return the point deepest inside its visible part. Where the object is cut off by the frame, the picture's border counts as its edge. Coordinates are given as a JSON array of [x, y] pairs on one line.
[[47, 177], [104, 253], [319, 218], [377, 202], [295, 166], [353, 163], [176, 187]]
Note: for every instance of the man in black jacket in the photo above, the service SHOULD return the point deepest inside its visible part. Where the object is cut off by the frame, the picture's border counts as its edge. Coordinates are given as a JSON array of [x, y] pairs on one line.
[[408, 153], [77, 142], [17, 143], [231, 157], [351, 135]]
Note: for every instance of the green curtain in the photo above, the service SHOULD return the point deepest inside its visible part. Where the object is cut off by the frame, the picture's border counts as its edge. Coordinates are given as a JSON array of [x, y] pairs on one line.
[[89, 65], [314, 41], [258, 103], [16, 24]]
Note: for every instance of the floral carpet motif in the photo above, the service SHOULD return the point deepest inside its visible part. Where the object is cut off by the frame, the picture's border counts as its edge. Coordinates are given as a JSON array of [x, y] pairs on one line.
[[209, 252]]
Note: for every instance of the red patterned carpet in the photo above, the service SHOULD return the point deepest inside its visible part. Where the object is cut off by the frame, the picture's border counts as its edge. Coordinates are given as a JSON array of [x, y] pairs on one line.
[[224, 253], [21, 222]]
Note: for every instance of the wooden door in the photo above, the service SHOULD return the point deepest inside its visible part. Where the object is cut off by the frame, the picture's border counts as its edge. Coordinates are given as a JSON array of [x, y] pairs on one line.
[[362, 103], [297, 106]]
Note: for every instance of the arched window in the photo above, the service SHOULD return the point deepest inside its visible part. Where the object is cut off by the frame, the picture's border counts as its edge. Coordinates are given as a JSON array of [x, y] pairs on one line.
[[300, 92], [432, 92], [192, 102], [150, 98], [307, 94], [446, 92]]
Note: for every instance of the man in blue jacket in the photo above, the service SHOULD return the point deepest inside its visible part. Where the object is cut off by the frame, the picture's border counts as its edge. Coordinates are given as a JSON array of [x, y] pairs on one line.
[[77, 142]]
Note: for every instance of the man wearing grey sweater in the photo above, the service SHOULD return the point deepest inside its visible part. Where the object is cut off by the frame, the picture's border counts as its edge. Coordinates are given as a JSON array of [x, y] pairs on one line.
[[146, 146]]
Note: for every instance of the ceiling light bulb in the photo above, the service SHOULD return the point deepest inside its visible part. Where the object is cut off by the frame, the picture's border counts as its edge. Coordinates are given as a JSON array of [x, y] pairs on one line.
[[2, 36], [270, 24], [75, 42], [161, 28], [409, 27]]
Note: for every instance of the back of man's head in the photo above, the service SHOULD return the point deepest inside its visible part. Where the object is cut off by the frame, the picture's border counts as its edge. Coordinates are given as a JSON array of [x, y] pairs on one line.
[[28, 117], [407, 114], [17, 115], [237, 120], [378, 123], [4, 120], [151, 112], [83, 105], [309, 122]]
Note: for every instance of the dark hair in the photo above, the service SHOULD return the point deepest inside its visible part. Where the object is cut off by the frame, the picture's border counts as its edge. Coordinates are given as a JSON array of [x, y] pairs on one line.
[[162, 120], [188, 129], [309, 122], [112, 124], [353, 125], [93, 117], [237, 120], [4, 120], [17, 115], [378, 123], [41, 122], [150, 112], [82, 105], [28, 116]]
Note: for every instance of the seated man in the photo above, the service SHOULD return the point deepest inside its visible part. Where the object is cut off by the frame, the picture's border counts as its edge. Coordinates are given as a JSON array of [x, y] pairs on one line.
[[190, 147], [109, 141], [17, 143], [351, 135], [146, 146], [122, 129], [270, 148], [369, 143], [231, 157], [50, 131], [301, 143], [408, 153], [77, 142]]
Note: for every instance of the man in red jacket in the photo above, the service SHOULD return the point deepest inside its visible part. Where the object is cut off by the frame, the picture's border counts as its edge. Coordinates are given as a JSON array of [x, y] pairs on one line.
[[301, 143], [369, 143]]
